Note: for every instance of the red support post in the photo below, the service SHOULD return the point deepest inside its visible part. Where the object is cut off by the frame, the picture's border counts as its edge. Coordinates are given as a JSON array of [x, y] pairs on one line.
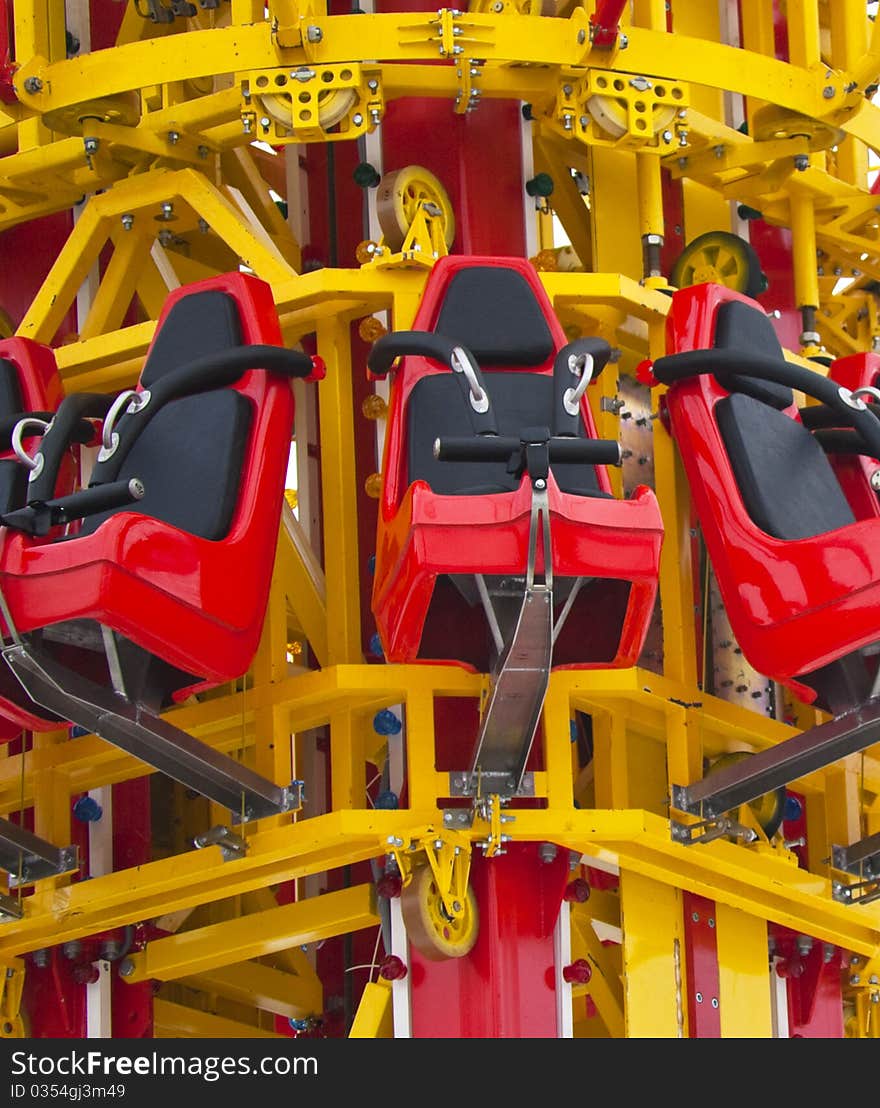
[[605, 23]]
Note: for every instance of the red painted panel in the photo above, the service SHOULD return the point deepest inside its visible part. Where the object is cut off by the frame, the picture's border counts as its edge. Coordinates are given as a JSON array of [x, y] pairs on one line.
[[701, 953], [505, 988]]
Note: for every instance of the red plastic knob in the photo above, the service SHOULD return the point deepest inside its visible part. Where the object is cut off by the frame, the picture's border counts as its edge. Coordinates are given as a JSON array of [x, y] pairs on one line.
[[577, 891], [578, 973], [645, 373], [392, 968], [389, 885]]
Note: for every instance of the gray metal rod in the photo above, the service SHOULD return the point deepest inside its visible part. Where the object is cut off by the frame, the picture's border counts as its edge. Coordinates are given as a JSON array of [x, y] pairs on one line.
[[28, 858], [147, 737], [769, 769]]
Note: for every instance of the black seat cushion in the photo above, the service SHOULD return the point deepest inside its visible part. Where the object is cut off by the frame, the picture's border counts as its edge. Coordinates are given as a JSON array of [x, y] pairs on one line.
[[786, 481], [741, 327], [191, 453], [197, 325], [13, 485], [436, 409], [494, 313], [10, 389]]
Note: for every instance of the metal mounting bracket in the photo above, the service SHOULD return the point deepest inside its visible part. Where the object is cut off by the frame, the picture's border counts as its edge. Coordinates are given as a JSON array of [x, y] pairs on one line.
[[28, 858], [813, 749], [131, 727]]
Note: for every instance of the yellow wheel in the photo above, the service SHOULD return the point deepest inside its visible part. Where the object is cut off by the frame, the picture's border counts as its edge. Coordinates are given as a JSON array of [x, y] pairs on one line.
[[768, 809], [123, 109], [772, 122], [430, 929], [333, 106], [721, 258], [399, 197]]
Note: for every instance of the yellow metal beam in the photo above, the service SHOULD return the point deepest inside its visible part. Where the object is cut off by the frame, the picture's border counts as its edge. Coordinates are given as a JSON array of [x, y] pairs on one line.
[[218, 945], [374, 1018], [261, 987], [177, 1021]]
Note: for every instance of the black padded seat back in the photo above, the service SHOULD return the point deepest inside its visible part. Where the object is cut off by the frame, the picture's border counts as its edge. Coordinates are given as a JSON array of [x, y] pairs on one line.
[[784, 476], [190, 455], [197, 325], [437, 409], [11, 400], [13, 485], [494, 312], [13, 475], [738, 326]]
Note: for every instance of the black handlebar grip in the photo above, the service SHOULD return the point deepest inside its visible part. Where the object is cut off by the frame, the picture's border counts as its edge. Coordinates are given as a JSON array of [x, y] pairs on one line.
[[397, 344], [98, 498], [500, 448]]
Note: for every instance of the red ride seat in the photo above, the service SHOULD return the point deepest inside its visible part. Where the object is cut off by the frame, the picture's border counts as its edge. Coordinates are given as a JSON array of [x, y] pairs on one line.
[[29, 386], [183, 574], [447, 527], [854, 470], [797, 564]]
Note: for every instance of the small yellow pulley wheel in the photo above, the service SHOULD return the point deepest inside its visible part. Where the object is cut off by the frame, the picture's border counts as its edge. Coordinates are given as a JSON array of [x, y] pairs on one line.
[[333, 106], [720, 258], [399, 197], [431, 931], [768, 809]]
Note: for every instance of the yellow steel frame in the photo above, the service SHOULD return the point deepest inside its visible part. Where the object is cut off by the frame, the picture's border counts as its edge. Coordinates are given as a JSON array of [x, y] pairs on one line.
[[145, 126]]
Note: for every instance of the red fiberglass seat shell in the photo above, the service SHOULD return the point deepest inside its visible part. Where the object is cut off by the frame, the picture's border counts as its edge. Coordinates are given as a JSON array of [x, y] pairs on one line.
[[855, 471], [798, 567], [431, 535], [185, 572]]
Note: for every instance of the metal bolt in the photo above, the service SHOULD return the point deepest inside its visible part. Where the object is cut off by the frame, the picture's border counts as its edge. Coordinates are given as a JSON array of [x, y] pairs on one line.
[[71, 950], [582, 37], [667, 136], [714, 1001], [855, 979], [623, 42], [828, 92], [265, 123], [875, 998], [547, 852], [173, 137], [456, 905], [313, 33], [584, 120], [357, 119], [128, 222], [40, 958], [203, 151], [126, 967], [204, 226], [699, 998], [711, 922], [91, 145], [394, 840], [373, 85], [854, 960], [540, 483], [375, 117], [695, 916], [33, 84]]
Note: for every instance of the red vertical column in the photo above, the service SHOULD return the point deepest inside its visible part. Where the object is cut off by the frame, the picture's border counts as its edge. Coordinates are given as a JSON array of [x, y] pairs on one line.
[[477, 157], [701, 951], [505, 988]]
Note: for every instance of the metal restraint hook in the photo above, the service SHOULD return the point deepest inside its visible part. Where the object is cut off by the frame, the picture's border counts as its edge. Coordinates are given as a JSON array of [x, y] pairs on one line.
[[131, 401], [580, 366], [461, 363], [35, 464]]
